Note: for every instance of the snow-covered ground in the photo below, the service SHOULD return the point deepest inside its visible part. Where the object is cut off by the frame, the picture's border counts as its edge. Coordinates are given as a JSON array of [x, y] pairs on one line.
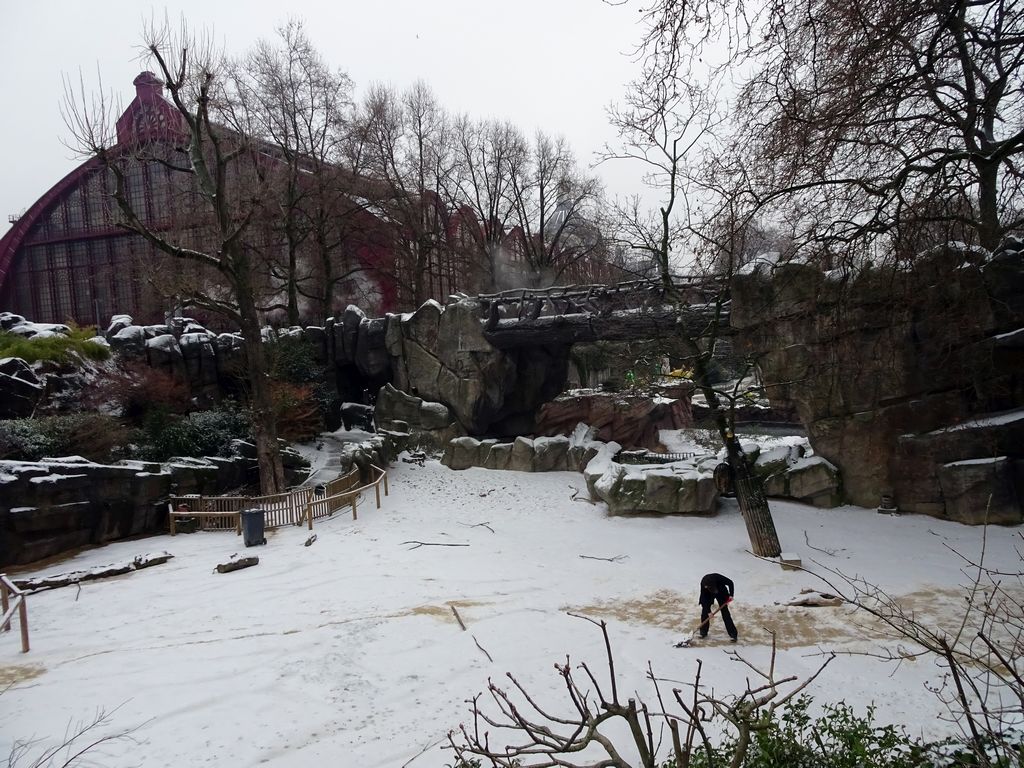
[[347, 652]]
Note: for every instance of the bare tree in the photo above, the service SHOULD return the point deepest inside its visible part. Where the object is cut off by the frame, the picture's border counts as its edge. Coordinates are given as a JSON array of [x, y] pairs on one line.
[[669, 126], [211, 145], [409, 149], [556, 208], [867, 116], [514, 729], [981, 651], [491, 154], [301, 109]]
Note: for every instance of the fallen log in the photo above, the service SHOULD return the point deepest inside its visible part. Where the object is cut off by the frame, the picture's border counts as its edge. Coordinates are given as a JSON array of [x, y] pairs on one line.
[[237, 564], [100, 572], [693, 321]]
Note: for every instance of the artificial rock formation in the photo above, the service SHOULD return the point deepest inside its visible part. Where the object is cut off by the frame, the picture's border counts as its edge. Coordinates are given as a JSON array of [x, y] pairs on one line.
[[903, 378], [684, 487], [632, 420], [52, 506], [440, 354]]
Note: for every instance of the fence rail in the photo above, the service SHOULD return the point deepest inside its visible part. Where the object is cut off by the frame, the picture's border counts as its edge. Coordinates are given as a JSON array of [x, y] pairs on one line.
[[12, 600], [219, 513], [650, 457]]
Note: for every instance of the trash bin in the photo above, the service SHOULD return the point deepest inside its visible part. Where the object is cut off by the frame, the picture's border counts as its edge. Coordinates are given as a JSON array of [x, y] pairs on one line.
[[252, 527]]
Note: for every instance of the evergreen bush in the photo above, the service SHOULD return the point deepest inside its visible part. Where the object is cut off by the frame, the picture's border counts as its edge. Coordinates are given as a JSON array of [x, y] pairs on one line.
[[203, 433], [94, 436]]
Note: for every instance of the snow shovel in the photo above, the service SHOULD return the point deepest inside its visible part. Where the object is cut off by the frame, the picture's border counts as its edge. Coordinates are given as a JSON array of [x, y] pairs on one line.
[[687, 641]]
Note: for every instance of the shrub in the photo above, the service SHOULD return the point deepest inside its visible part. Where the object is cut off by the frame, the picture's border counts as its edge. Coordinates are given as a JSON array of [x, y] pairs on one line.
[[298, 414], [56, 349], [204, 433], [839, 738], [94, 436], [138, 390], [292, 361]]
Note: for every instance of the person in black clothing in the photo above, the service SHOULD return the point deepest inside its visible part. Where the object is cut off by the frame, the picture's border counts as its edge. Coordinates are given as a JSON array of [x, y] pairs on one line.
[[715, 586]]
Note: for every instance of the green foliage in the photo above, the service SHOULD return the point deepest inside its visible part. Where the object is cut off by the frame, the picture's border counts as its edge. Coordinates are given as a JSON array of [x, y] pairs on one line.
[[589, 360], [293, 361], [839, 738], [204, 433], [94, 436], [55, 349]]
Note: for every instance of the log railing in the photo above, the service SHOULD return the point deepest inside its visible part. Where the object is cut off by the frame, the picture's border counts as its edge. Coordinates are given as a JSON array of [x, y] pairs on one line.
[[382, 479], [219, 513], [320, 507], [13, 599]]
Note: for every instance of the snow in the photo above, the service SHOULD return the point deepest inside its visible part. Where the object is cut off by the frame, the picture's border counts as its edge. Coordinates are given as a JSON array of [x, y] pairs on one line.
[[764, 261], [994, 420], [1010, 334], [346, 652], [976, 462]]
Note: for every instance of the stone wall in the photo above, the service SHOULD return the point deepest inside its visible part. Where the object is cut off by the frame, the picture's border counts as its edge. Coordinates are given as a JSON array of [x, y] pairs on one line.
[[56, 505], [903, 378], [681, 487]]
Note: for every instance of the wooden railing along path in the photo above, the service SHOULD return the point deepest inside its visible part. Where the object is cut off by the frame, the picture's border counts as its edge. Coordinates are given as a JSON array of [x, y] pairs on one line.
[[223, 513], [13, 599]]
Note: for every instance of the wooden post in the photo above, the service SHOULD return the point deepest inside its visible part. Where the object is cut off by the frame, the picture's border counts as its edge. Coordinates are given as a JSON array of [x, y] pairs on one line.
[[385, 483], [309, 514], [23, 617], [5, 603], [376, 490], [354, 515]]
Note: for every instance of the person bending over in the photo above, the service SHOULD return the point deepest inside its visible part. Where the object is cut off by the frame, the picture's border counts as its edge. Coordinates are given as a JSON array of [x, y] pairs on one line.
[[715, 586]]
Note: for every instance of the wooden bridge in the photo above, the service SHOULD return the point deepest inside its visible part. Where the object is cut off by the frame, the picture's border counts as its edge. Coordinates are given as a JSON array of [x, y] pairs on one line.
[[573, 314]]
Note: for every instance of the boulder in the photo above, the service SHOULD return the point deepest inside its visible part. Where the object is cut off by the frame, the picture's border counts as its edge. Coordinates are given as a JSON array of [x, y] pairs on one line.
[[979, 491], [130, 339], [631, 420], [429, 424], [371, 354], [697, 495], [20, 389], [816, 480], [661, 491], [522, 456], [463, 453], [551, 454], [498, 456]]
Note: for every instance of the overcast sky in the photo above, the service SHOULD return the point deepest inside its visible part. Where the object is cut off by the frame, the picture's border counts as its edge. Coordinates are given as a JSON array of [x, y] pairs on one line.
[[554, 64]]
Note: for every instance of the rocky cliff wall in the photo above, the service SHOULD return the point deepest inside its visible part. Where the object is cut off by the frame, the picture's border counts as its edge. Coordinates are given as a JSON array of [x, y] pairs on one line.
[[911, 381]]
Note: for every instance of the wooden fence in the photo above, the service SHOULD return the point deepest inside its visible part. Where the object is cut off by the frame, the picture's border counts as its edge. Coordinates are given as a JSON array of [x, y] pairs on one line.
[[13, 599], [220, 513]]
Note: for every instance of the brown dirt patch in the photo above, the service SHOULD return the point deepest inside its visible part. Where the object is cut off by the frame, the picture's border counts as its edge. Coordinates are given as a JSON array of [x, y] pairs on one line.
[[793, 627], [19, 673], [443, 612]]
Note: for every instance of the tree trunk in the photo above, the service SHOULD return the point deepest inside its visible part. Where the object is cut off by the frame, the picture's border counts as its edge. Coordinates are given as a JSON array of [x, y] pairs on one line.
[[764, 540], [757, 515], [988, 204], [268, 453]]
